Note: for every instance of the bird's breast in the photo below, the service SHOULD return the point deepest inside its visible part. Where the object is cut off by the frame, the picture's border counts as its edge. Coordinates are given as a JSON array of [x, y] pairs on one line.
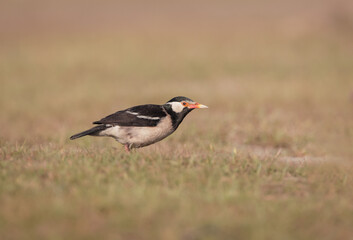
[[142, 136]]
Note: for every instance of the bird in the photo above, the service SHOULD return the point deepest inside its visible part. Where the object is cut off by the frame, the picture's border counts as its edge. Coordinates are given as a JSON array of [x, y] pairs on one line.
[[143, 125]]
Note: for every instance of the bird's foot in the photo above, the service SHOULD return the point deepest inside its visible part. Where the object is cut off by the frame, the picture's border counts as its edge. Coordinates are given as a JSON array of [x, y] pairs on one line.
[[127, 149]]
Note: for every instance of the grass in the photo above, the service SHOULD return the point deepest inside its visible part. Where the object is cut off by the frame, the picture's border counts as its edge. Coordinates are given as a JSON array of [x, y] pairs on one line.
[[54, 193], [270, 159]]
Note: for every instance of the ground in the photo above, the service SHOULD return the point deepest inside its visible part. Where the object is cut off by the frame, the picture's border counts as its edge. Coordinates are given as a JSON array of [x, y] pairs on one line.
[[270, 159]]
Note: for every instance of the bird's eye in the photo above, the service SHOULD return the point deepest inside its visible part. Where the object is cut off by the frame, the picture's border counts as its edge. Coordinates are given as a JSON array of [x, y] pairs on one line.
[[184, 104]]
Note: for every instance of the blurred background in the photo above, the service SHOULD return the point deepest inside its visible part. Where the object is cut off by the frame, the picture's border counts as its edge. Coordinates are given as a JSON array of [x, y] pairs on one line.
[[277, 76], [265, 68]]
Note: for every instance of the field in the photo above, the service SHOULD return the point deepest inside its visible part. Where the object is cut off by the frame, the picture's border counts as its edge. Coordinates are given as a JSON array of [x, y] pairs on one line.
[[272, 157]]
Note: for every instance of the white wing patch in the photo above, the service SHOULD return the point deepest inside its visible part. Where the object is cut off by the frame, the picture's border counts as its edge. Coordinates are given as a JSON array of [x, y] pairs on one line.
[[133, 113], [177, 106], [143, 117], [149, 118]]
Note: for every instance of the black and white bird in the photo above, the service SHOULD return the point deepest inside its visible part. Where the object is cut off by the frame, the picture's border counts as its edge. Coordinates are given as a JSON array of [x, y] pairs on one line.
[[143, 125]]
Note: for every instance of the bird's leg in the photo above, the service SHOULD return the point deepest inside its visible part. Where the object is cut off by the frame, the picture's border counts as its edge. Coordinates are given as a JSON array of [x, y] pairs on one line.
[[127, 149]]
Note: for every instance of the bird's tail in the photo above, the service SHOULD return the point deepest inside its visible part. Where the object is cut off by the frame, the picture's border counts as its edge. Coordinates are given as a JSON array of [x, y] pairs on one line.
[[93, 131]]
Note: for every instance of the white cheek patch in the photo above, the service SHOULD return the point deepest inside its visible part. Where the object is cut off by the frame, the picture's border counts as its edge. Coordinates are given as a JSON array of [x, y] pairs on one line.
[[177, 106]]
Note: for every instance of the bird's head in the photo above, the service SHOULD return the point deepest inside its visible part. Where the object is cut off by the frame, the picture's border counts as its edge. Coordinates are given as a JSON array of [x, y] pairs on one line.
[[181, 106]]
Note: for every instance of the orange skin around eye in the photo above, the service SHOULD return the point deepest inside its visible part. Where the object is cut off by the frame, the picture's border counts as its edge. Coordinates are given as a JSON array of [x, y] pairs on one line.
[[185, 104]]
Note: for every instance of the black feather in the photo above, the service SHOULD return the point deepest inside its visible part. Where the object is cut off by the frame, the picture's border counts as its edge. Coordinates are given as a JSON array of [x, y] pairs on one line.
[[124, 118], [180, 99], [92, 131]]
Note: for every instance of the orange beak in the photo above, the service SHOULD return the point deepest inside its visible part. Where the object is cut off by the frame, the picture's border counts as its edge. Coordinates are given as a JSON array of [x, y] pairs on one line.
[[196, 105]]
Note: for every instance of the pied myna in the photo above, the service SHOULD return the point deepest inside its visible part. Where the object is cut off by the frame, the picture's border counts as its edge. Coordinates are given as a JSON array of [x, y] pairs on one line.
[[143, 125]]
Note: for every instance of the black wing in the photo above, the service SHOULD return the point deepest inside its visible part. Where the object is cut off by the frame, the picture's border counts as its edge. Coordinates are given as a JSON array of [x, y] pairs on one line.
[[140, 116]]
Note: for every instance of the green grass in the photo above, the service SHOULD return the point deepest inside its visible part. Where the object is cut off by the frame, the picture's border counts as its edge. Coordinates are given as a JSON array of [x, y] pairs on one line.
[[53, 193], [270, 159]]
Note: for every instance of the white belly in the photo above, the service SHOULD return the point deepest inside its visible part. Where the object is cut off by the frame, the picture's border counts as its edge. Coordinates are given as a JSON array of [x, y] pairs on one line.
[[137, 137]]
